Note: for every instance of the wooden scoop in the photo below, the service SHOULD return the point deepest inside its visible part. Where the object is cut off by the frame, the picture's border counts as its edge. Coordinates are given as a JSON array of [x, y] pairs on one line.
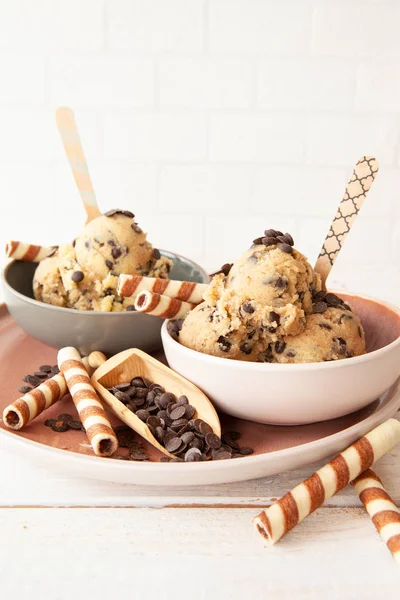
[[68, 129], [355, 193], [132, 363]]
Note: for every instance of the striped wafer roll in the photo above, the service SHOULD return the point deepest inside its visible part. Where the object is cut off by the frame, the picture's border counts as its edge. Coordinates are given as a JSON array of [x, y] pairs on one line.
[[187, 291], [281, 517], [28, 252], [28, 407], [162, 306], [384, 513], [91, 412]]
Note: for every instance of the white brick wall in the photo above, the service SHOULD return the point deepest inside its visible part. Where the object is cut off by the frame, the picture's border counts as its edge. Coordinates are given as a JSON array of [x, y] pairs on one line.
[[211, 119]]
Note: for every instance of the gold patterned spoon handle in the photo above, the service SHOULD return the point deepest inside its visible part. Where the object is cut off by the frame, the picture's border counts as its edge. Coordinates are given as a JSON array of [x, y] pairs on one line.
[[359, 185]]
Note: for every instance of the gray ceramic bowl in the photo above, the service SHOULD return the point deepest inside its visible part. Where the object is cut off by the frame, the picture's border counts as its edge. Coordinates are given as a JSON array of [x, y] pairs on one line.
[[87, 331]]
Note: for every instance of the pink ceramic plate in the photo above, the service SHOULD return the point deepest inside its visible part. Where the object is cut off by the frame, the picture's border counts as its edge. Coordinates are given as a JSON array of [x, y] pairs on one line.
[[275, 448]]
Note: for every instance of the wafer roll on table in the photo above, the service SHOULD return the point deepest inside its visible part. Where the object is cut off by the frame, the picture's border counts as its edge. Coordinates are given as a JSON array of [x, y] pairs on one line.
[[30, 405], [91, 412], [162, 306], [276, 520], [187, 291], [379, 505], [28, 252]]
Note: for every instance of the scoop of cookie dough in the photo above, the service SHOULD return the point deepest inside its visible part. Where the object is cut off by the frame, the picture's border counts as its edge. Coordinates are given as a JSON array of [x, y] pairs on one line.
[[332, 335], [115, 243], [206, 330], [84, 275]]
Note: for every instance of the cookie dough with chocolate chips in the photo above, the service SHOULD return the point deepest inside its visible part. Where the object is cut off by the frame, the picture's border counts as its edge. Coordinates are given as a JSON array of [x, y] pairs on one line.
[[332, 335], [268, 307], [84, 275]]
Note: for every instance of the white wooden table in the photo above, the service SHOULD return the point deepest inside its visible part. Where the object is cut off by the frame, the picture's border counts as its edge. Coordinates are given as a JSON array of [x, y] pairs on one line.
[[65, 538]]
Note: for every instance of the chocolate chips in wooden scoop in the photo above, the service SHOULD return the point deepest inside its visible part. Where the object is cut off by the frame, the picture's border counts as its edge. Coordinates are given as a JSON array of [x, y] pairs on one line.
[[172, 422]]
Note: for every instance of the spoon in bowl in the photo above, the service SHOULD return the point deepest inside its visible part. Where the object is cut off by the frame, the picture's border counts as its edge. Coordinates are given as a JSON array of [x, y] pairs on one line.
[[355, 193], [68, 130], [127, 365]]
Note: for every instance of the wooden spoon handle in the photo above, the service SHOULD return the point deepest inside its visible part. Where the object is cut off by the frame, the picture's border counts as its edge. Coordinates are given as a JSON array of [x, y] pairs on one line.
[[68, 129], [360, 182]]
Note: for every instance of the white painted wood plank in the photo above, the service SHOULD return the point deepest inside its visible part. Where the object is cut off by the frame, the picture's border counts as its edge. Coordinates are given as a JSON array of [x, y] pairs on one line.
[[195, 553]]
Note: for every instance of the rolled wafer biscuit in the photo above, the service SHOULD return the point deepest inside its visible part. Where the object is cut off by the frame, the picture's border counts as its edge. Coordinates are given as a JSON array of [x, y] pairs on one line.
[[187, 291], [95, 359], [28, 407], [91, 412], [281, 517], [28, 252], [384, 513], [162, 306]]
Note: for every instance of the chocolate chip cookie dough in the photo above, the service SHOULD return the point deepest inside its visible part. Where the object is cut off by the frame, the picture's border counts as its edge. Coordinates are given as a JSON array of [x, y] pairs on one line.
[[268, 307], [84, 275]]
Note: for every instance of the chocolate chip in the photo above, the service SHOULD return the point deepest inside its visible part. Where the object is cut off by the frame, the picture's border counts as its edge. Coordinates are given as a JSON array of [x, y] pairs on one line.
[[344, 317], [187, 437], [319, 307], [156, 254], [136, 228], [225, 269], [248, 308], [189, 411], [270, 233], [288, 239], [32, 380], [245, 348], [49, 422], [222, 455], [281, 283], [340, 345], [74, 424], [205, 428], [173, 444], [178, 412], [166, 398], [291, 353], [252, 258], [332, 300], [77, 276], [246, 451], [193, 455], [137, 382], [40, 374], [73, 243], [153, 421], [60, 426], [122, 397], [116, 253], [143, 414], [269, 241], [285, 248], [319, 296], [258, 241], [347, 307], [24, 389], [224, 344], [131, 308], [213, 441], [128, 213], [325, 326], [110, 213], [45, 368], [274, 317], [111, 243], [280, 346], [109, 264], [183, 399]]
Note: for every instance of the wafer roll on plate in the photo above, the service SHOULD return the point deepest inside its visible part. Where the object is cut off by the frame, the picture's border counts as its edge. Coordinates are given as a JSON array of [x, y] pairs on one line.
[[162, 306], [384, 513], [276, 520], [28, 407], [28, 252], [91, 412], [187, 291]]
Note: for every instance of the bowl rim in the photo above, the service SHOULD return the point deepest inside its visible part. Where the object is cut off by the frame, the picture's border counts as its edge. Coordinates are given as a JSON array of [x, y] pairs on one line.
[[278, 367], [73, 311]]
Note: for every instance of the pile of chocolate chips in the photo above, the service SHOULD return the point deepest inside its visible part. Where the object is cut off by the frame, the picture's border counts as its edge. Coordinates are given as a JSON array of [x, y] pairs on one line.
[[172, 422], [126, 439], [272, 237], [324, 300], [34, 379]]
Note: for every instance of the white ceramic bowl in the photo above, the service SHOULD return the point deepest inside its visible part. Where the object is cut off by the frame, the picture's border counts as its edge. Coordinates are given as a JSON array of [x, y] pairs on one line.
[[299, 393]]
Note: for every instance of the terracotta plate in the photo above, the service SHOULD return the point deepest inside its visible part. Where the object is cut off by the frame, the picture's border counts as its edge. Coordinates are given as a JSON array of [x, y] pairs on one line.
[[276, 448]]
